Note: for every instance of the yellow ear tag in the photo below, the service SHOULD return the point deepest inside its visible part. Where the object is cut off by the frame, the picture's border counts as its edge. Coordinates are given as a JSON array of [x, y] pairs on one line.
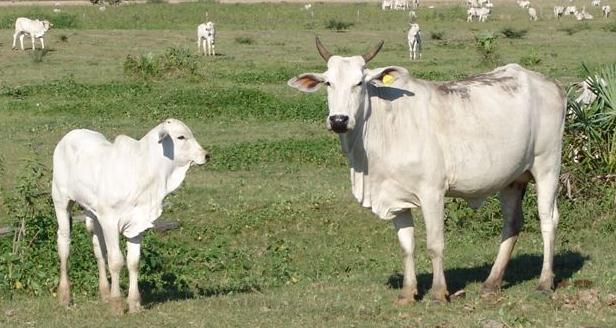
[[388, 79]]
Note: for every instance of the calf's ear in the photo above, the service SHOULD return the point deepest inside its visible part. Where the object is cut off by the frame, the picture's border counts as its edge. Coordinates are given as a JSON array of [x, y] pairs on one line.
[[162, 134], [385, 76], [307, 82]]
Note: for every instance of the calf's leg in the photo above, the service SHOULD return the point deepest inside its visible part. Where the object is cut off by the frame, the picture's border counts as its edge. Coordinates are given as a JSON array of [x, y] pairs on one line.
[[405, 230], [132, 262], [432, 208], [100, 252]]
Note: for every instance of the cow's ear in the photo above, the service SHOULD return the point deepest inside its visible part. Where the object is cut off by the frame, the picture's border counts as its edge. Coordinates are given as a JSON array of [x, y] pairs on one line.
[[307, 82], [385, 76], [162, 134]]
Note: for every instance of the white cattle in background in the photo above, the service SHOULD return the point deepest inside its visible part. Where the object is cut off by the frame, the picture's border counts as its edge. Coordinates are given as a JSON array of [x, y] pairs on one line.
[[606, 10], [387, 4], [472, 3], [121, 187], [412, 143], [570, 10], [481, 14], [524, 4], [206, 36], [596, 3], [414, 41], [559, 11], [532, 14], [34, 28]]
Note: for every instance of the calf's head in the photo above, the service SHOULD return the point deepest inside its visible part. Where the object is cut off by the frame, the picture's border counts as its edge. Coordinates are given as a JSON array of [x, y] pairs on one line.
[[179, 144], [347, 81]]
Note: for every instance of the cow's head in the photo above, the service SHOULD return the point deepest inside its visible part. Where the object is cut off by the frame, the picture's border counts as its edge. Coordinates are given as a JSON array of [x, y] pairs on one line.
[[179, 144], [47, 25], [347, 81]]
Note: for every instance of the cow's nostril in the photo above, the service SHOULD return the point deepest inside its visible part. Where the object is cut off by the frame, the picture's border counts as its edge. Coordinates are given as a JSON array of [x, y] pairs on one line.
[[339, 123], [207, 157]]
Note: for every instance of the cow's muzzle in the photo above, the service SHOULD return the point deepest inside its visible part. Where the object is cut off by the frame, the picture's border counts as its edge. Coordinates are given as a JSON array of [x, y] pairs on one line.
[[339, 123]]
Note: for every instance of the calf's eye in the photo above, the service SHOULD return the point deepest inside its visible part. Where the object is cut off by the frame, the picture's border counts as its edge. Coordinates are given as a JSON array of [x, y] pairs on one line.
[[181, 137]]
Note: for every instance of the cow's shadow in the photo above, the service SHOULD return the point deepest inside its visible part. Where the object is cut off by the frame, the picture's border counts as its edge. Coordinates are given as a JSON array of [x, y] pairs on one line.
[[521, 268], [171, 292]]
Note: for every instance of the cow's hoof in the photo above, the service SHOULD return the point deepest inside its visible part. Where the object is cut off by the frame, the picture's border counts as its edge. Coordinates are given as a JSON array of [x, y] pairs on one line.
[[134, 307], [488, 291], [440, 297]]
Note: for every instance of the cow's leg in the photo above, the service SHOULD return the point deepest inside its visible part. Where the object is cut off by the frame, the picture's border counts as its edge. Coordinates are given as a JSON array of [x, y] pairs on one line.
[[511, 207], [213, 49], [132, 262], [100, 252], [21, 40], [33, 44], [546, 179], [432, 208], [115, 260], [405, 229], [42, 43], [62, 208], [15, 40]]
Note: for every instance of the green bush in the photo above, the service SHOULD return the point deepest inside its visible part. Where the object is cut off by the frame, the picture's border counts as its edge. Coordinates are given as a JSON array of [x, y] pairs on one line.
[[244, 40], [531, 59], [485, 44], [173, 63]]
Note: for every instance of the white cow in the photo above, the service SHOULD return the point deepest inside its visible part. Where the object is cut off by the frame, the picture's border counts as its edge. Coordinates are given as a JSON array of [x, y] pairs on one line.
[[411, 143], [524, 4], [472, 3], [559, 11], [34, 28], [606, 10], [206, 34], [596, 3], [480, 13], [121, 186], [483, 13], [414, 40], [532, 14], [570, 10], [387, 4]]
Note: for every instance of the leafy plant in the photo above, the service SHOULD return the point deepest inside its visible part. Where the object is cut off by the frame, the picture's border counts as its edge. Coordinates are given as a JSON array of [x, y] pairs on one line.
[[173, 63], [531, 59], [485, 44], [592, 128]]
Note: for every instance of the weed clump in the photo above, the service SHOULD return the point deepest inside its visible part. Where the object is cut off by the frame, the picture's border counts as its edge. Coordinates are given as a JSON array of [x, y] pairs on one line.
[[244, 40], [531, 59], [338, 26], [437, 35], [486, 47], [173, 63], [512, 33]]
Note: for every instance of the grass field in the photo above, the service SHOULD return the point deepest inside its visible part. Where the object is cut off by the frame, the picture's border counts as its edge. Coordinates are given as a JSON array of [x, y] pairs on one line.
[[269, 234]]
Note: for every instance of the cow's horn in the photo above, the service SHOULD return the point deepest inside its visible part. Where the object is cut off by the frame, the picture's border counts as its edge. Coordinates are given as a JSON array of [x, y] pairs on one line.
[[322, 50], [368, 56]]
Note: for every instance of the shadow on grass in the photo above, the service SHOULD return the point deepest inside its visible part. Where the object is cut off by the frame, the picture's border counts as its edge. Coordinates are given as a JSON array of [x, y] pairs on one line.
[[173, 293], [521, 268]]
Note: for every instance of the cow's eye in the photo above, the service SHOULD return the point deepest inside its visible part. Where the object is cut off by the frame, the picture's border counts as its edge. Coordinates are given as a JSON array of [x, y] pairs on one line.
[[327, 83], [181, 137], [359, 83]]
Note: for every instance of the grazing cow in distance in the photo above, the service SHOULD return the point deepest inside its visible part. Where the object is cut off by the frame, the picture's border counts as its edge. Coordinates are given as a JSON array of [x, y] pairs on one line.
[[532, 14], [411, 143], [524, 4], [120, 186], [414, 40], [206, 35], [596, 3], [570, 10], [559, 11], [34, 28], [606, 10]]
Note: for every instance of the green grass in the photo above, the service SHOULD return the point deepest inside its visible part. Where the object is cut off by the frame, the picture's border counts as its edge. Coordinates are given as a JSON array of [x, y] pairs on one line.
[[269, 234]]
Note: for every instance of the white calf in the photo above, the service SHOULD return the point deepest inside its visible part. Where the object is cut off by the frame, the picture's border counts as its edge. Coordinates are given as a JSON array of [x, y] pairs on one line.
[[206, 33], [606, 11], [414, 40], [34, 28], [532, 14]]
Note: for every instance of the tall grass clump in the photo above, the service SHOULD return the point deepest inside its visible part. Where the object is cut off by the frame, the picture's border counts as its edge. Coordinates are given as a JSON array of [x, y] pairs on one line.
[[338, 26], [531, 59], [485, 44], [437, 35], [173, 63], [591, 129], [512, 33]]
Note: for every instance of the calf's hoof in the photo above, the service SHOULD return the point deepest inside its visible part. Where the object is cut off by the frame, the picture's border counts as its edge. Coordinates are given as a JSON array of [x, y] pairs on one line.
[[404, 300], [117, 305], [440, 296]]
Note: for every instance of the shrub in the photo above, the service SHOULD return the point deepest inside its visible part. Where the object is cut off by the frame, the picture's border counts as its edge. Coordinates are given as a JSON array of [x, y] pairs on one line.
[[592, 128], [338, 26], [486, 47], [173, 63], [511, 33]]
